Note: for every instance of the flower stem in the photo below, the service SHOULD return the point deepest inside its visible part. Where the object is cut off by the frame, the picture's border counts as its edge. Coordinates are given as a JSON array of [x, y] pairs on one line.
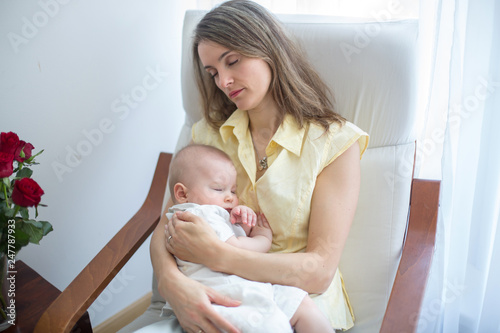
[[16, 210], [5, 194], [3, 306], [4, 316]]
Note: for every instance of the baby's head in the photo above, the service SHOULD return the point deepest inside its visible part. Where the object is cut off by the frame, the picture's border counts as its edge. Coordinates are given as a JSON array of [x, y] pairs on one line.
[[203, 175]]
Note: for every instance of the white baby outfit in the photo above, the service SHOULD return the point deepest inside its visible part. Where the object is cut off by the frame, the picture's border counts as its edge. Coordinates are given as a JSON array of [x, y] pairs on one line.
[[265, 307]]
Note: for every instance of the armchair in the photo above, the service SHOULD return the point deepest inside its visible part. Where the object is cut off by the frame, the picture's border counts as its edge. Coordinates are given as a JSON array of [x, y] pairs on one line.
[[371, 69]]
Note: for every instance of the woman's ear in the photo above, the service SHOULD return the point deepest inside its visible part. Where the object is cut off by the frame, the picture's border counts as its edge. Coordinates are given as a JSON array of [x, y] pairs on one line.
[[180, 193]]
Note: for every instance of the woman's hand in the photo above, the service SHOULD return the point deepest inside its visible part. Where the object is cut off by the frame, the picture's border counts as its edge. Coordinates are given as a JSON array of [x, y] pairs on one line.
[[192, 304], [190, 238]]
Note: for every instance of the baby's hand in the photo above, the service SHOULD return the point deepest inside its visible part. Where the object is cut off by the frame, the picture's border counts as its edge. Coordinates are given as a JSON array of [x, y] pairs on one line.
[[262, 228], [243, 215]]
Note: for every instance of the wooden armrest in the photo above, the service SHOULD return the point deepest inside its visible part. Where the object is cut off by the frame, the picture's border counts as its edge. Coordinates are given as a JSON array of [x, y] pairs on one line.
[[409, 286], [65, 311]]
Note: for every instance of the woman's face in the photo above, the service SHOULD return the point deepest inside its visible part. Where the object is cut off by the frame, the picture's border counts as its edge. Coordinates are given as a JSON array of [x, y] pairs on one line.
[[244, 80]]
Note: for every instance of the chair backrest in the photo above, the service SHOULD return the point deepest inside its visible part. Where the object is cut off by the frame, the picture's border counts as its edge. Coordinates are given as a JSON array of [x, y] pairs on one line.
[[370, 67]]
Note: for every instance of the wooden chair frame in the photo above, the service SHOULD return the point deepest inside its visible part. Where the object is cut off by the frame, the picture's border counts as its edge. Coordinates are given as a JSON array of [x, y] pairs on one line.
[[404, 303]]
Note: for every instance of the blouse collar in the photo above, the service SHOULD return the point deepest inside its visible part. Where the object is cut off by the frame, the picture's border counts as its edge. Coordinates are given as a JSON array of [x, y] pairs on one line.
[[289, 135]]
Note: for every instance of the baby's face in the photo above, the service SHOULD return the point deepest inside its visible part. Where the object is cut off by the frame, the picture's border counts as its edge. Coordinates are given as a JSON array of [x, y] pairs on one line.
[[215, 184]]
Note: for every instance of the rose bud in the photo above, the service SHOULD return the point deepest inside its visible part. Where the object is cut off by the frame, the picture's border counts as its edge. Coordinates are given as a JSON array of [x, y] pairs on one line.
[[26, 192]]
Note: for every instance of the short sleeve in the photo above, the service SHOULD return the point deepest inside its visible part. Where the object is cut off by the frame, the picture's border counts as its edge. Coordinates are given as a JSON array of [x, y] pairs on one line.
[[343, 137]]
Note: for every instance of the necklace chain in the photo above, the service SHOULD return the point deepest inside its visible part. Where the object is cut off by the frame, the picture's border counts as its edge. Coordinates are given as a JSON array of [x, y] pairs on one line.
[[263, 161]]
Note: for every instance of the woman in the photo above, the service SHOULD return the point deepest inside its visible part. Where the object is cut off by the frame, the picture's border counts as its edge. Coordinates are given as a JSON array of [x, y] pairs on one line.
[[297, 162]]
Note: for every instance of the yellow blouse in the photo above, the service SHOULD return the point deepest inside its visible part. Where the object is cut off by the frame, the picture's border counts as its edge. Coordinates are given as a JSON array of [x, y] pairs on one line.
[[284, 192]]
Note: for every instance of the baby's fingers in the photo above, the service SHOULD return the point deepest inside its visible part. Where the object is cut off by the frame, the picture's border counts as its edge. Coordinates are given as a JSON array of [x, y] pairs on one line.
[[252, 220], [244, 216], [235, 215]]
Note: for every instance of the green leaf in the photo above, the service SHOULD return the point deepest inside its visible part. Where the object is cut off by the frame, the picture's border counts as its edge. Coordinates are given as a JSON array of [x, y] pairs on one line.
[[6, 181], [9, 212], [24, 213], [25, 232], [3, 219], [22, 238], [46, 227], [33, 229], [24, 173], [30, 160]]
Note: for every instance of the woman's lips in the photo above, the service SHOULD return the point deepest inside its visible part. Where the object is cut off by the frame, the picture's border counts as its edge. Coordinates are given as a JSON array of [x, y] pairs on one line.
[[235, 93]]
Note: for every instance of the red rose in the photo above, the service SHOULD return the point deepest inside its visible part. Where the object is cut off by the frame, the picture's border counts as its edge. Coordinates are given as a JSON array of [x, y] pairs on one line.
[[23, 146], [9, 142], [6, 164], [26, 192]]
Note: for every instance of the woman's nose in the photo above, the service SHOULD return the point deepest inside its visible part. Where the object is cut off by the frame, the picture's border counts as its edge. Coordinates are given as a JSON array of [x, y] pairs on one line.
[[225, 79]]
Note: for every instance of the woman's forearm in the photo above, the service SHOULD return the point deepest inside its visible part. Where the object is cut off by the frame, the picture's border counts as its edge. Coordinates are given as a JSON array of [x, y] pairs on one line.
[[258, 243], [332, 210], [309, 271], [164, 264]]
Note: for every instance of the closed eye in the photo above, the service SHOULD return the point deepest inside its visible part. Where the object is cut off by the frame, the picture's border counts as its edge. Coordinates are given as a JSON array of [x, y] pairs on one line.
[[213, 75], [231, 63]]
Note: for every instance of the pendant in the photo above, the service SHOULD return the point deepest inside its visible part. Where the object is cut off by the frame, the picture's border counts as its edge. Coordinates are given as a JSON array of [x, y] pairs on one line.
[[263, 163]]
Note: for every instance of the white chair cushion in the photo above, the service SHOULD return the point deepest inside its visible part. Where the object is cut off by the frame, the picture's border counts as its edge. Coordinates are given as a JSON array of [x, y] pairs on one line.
[[373, 250]]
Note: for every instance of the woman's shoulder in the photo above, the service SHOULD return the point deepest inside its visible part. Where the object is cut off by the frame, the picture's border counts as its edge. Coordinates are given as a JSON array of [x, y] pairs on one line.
[[349, 131], [337, 139], [336, 133]]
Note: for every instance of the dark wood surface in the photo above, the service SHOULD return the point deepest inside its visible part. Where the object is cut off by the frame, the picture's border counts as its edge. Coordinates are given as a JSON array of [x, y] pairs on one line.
[[411, 278], [33, 294], [64, 312]]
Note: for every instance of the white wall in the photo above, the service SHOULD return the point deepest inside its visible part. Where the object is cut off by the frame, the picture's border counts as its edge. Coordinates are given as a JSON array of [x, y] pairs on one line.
[[102, 79]]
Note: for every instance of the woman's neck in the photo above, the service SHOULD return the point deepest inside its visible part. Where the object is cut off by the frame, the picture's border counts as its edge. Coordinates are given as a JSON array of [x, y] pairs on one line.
[[264, 122], [263, 125]]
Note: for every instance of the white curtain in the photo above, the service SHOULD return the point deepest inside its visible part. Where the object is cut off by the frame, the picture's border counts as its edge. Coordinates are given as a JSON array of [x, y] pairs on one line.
[[463, 107]]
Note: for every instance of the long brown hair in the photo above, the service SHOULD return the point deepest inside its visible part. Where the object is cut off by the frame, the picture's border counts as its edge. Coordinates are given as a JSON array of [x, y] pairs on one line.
[[249, 29]]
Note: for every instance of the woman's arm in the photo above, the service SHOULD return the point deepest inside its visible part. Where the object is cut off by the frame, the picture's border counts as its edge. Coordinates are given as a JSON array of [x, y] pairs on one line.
[[332, 210], [260, 237], [190, 300]]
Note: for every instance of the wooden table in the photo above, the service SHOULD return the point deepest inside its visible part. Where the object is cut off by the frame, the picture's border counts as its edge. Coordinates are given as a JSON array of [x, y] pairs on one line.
[[33, 295]]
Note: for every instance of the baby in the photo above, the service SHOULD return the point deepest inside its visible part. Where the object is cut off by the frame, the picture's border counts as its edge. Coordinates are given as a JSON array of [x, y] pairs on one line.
[[203, 181]]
